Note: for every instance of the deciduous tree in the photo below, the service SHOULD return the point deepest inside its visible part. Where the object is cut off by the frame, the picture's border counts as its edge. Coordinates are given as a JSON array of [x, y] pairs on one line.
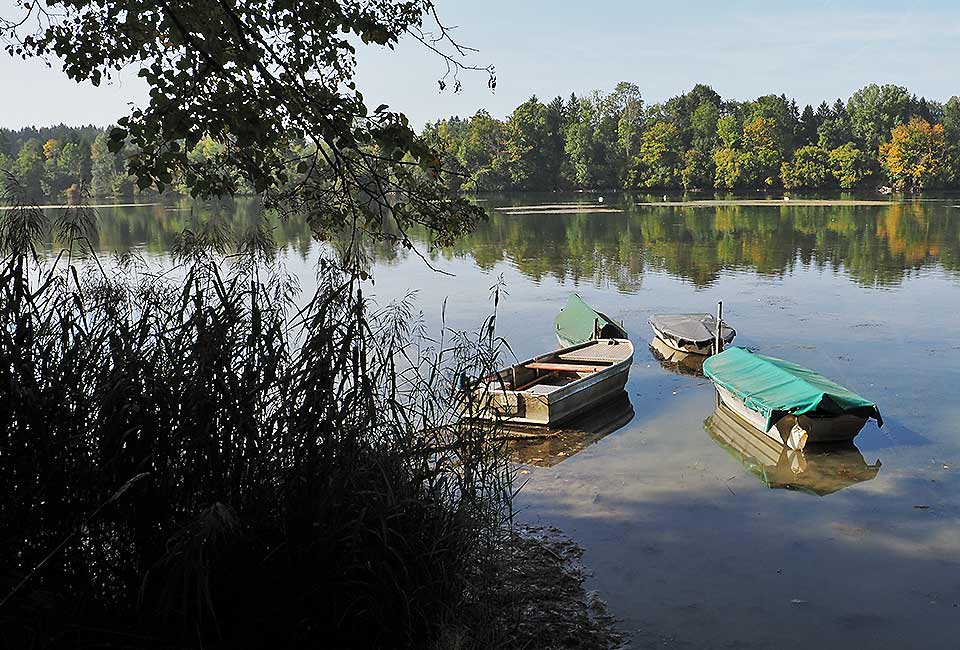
[[850, 166], [916, 156], [809, 169], [760, 161], [659, 162], [875, 110]]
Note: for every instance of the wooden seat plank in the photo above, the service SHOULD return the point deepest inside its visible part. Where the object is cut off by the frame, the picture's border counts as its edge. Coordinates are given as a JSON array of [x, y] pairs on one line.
[[565, 367]]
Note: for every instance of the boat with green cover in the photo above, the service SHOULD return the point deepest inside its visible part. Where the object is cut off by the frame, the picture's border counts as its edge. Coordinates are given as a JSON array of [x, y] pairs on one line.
[[578, 323], [788, 402]]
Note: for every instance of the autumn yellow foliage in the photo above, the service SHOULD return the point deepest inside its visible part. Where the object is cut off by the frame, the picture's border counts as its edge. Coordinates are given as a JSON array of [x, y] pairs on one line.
[[916, 156]]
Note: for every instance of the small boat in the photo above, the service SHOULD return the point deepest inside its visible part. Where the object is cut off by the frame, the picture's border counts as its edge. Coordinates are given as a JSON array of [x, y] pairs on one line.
[[578, 323], [554, 387], [787, 402], [691, 333], [545, 447], [817, 469]]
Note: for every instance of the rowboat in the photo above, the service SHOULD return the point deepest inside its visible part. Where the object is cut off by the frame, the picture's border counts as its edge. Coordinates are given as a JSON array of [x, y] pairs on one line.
[[787, 402], [817, 469], [691, 333], [545, 447], [579, 323], [554, 387]]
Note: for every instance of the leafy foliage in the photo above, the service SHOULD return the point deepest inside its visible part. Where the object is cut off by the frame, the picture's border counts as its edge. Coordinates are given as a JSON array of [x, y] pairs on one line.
[[810, 168], [658, 163], [850, 165], [271, 83], [692, 141], [915, 157]]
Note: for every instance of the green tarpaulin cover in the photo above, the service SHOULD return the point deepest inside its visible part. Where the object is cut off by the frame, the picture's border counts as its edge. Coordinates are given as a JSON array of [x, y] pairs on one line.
[[578, 322], [774, 387]]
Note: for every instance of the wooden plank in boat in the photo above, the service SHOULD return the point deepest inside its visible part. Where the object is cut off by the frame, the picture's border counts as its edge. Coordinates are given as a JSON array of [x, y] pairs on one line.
[[565, 367]]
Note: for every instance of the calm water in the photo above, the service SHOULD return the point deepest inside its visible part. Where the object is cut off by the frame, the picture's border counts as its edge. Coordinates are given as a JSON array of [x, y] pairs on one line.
[[693, 545]]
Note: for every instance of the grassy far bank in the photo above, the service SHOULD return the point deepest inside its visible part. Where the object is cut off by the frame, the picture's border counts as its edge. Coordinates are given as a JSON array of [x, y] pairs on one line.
[[200, 464]]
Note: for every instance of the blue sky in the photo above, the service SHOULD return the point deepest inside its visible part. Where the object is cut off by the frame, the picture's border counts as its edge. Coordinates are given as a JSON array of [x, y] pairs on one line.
[[811, 50]]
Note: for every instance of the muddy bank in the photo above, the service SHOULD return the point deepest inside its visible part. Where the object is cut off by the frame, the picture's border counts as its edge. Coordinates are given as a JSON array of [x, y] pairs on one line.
[[537, 600]]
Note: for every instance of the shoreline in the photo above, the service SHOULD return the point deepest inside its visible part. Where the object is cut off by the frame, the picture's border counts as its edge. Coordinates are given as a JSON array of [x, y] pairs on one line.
[[713, 203], [7, 208]]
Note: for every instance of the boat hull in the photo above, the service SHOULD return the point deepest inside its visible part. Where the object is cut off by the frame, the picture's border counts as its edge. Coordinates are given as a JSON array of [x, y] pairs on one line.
[[689, 348], [796, 431], [549, 405]]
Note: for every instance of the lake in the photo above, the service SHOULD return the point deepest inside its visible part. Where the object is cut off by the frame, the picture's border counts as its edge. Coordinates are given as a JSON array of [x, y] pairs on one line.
[[693, 544]]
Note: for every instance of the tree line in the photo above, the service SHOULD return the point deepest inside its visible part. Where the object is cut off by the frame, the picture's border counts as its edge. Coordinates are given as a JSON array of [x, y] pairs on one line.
[[57, 161], [881, 136]]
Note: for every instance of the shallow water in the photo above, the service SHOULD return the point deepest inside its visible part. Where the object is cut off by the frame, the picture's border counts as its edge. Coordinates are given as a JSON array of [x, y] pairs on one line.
[[687, 541]]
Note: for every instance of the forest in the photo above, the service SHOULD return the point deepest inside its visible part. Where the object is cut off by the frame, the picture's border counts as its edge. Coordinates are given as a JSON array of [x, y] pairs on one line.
[[881, 136], [55, 161]]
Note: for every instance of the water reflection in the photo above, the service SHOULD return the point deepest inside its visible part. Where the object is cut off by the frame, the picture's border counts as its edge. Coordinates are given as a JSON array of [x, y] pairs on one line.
[[548, 447], [819, 470], [154, 228], [873, 245], [672, 360]]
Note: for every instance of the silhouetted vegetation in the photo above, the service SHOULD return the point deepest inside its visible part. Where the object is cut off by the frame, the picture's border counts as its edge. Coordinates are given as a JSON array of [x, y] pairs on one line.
[[193, 460]]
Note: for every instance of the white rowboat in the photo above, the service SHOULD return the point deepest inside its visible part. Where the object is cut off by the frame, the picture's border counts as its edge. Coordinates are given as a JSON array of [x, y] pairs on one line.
[[554, 387]]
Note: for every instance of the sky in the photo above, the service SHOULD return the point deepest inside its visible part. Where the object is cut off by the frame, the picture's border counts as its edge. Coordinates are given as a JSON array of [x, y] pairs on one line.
[[813, 50]]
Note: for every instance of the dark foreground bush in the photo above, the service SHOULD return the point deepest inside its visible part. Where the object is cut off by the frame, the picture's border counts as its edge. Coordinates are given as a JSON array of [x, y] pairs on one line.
[[204, 459]]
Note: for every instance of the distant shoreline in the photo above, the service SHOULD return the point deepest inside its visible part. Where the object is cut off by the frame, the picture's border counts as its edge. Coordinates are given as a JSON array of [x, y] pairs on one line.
[[578, 207], [708, 203], [86, 205]]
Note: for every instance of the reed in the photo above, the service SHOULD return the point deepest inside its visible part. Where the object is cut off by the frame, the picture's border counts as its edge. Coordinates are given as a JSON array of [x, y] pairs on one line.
[[207, 458]]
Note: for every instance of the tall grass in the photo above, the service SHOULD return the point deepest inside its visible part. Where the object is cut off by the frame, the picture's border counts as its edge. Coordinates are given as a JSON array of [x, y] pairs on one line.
[[205, 458]]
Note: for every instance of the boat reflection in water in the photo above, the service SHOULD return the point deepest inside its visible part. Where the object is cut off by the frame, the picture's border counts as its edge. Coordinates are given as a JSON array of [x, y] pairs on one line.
[[682, 363], [817, 469], [543, 447]]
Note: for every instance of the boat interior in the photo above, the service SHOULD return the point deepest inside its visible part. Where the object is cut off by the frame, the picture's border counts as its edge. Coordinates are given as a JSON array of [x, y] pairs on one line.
[[549, 372]]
